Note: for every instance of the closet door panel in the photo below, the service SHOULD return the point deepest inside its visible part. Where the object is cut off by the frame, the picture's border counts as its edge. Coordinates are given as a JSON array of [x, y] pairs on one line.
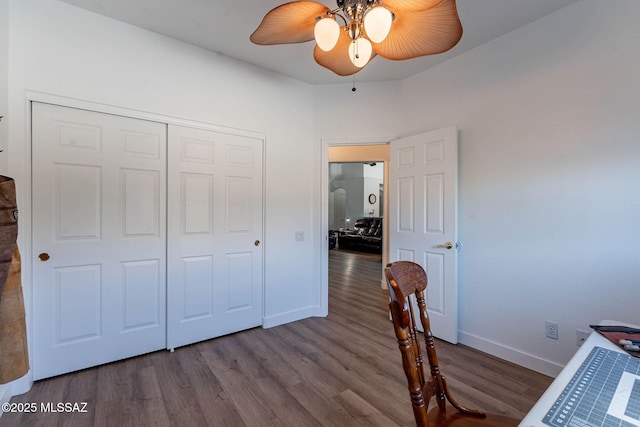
[[99, 239], [215, 234]]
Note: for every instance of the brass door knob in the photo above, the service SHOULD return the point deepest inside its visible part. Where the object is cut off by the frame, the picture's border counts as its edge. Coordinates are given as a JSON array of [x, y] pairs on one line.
[[44, 256], [256, 243], [446, 245]]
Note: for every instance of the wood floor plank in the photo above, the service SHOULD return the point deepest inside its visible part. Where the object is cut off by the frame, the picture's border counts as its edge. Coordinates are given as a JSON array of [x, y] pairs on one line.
[[239, 389], [212, 401], [178, 393], [342, 370], [321, 406], [300, 358], [366, 414]]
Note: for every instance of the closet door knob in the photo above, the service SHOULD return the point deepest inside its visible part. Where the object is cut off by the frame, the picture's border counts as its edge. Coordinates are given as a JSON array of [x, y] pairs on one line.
[[44, 257], [256, 243]]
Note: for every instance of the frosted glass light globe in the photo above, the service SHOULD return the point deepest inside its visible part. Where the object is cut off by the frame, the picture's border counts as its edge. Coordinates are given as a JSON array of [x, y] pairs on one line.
[[326, 33], [377, 23], [360, 51]]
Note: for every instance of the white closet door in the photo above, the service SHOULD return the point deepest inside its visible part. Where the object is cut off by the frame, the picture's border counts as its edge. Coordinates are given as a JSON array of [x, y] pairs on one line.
[[215, 234], [99, 238]]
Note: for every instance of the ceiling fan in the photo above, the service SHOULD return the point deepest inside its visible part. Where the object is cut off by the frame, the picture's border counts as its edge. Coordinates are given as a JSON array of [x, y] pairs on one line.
[[393, 29]]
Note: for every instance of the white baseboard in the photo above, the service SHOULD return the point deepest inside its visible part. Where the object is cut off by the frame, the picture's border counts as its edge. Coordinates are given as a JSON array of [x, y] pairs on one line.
[[518, 357], [21, 385], [5, 395], [290, 316], [14, 388]]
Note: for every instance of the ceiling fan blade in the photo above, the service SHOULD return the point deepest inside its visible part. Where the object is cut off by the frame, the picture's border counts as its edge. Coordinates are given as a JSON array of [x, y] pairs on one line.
[[337, 59], [410, 5], [289, 23], [420, 33]]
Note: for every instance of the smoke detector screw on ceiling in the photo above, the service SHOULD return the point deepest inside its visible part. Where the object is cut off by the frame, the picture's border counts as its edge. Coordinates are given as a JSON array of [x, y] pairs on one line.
[[350, 36]]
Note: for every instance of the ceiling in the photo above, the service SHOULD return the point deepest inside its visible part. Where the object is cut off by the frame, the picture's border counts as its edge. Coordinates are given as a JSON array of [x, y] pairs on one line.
[[225, 27]]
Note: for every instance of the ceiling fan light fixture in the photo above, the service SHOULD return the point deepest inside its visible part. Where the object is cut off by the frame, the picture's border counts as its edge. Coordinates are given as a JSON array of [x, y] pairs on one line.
[[392, 29], [326, 33], [377, 23], [360, 51]]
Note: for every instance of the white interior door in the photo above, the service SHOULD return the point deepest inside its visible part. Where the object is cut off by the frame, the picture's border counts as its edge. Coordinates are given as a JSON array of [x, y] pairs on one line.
[[423, 217], [99, 238], [215, 234]]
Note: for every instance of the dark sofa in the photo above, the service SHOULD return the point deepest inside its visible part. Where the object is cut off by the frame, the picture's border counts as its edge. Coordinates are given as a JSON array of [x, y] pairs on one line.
[[366, 236]]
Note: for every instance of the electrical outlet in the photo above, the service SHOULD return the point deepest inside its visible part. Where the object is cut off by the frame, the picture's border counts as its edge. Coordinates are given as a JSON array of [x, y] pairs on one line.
[[581, 336], [551, 330]]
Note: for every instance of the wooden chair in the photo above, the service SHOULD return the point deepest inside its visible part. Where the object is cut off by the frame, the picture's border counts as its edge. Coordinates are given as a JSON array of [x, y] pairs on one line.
[[405, 278]]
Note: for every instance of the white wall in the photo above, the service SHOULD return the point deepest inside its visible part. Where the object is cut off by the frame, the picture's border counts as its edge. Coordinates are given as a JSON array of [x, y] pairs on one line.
[[358, 180], [62, 50], [549, 194], [4, 81], [373, 180], [4, 127]]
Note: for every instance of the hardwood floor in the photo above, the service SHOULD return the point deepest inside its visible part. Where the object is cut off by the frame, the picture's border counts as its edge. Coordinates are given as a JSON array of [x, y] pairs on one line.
[[343, 370]]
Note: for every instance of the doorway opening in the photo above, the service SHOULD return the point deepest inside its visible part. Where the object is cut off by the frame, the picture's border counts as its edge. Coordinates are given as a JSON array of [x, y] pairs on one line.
[[356, 198], [355, 180], [355, 220]]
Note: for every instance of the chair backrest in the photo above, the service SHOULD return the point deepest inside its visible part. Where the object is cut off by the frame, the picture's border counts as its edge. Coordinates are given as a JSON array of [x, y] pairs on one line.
[[406, 278]]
